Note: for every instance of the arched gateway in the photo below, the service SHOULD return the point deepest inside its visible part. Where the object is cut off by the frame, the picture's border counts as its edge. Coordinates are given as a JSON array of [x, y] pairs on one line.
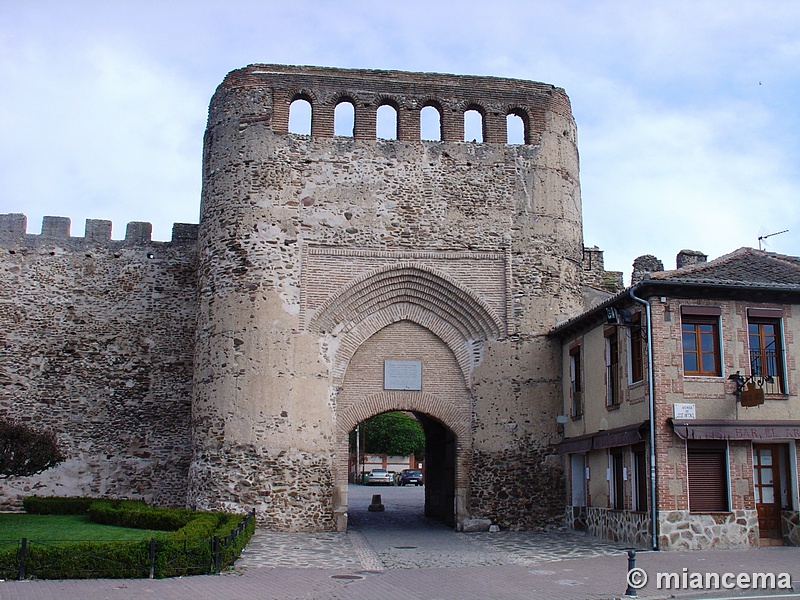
[[342, 277]]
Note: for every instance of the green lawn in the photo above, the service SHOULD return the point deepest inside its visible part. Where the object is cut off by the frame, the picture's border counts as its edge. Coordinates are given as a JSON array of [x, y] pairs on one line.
[[51, 528]]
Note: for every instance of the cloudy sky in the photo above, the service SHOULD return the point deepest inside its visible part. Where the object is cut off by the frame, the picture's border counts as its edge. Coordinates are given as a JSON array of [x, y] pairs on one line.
[[688, 112]]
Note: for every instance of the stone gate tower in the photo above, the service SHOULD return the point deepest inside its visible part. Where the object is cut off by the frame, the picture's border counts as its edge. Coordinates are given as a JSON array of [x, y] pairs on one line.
[[342, 277]]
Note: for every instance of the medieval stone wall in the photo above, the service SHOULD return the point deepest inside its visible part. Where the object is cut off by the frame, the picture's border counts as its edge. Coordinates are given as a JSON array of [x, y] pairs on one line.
[[226, 368], [96, 343], [312, 245]]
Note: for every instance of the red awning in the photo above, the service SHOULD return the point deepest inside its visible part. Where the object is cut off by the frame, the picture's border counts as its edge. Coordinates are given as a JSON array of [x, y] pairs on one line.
[[693, 429]]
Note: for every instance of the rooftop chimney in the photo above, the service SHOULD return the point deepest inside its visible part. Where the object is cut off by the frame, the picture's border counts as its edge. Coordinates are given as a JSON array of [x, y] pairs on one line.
[[645, 265], [689, 257]]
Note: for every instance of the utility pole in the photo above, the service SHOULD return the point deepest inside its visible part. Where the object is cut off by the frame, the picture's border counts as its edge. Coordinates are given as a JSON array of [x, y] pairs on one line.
[[358, 454]]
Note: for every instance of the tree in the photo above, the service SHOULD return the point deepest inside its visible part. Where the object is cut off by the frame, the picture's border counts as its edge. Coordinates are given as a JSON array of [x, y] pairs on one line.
[[395, 434], [25, 451]]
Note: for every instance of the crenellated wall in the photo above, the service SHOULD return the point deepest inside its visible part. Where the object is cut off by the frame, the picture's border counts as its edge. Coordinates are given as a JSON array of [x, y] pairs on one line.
[[227, 367], [96, 343]]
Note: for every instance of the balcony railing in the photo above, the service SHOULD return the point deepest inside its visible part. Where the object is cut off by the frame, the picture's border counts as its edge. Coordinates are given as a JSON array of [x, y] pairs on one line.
[[768, 363]]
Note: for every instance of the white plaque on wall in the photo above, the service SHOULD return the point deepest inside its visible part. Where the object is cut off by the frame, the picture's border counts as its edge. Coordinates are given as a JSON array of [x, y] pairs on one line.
[[402, 375], [682, 410]]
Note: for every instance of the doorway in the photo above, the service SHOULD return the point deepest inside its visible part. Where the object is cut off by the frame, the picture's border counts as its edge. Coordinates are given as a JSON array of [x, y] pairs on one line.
[[440, 470], [438, 500], [772, 487]]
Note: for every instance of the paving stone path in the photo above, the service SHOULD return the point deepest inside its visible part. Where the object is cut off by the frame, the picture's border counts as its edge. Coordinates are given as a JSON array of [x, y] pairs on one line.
[[400, 555], [402, 538]]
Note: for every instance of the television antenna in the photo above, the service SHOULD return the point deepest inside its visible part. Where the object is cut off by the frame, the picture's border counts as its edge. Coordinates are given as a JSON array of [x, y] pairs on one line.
[[761, 238]]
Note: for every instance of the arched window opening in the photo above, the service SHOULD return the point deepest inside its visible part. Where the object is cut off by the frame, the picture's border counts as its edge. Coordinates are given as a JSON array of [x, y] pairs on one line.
[[515, 129], [430, 124], [386, 126], [473, 126], [300, 117], [344, 118]]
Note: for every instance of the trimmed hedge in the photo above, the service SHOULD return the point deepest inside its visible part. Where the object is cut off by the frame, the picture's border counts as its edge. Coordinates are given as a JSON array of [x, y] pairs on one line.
[[138, 515], [192, 542], [83, 560], [56, 505]]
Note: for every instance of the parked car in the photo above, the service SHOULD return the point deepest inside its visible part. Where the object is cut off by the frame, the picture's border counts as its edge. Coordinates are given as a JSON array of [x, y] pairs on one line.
[[380, 477], [411, 476]]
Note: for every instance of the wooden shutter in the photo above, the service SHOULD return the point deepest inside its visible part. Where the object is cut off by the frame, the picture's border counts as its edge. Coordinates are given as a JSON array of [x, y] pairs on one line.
[[708, 490]]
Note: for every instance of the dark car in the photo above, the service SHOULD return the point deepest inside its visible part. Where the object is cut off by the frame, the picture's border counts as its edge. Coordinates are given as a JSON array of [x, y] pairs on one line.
[[411, 476]]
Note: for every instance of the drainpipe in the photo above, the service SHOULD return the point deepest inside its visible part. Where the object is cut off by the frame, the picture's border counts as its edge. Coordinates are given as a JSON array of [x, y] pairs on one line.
[[652, 413]]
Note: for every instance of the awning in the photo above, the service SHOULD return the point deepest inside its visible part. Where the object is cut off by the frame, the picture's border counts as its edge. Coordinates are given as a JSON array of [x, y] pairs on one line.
[[619, 436], [576, 445], [694, 429], [611, 438]]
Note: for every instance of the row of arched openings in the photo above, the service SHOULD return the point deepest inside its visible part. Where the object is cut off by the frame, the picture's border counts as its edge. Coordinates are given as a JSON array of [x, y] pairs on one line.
[[386, 126]]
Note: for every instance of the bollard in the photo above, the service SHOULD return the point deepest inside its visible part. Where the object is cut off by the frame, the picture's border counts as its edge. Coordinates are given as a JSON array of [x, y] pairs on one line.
[[631, 591], [216, 554], [376, 505], [152, 558], [22, 551]]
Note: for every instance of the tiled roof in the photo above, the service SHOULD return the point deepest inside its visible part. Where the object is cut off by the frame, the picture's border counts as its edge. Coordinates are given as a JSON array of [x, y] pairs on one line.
[[743, 267]]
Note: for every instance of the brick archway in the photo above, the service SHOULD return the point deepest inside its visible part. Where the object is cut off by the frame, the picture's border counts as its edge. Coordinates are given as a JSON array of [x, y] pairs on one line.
[[420, 402], [412, 292], [449, 419], [415, 284]]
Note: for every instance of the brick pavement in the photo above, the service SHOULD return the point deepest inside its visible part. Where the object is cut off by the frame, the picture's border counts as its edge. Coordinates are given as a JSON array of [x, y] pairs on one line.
[[398, 555], [595, 578]]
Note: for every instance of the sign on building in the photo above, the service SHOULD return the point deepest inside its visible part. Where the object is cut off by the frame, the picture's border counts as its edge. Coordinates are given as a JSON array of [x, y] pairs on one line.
[[402, 375], [684, 410]]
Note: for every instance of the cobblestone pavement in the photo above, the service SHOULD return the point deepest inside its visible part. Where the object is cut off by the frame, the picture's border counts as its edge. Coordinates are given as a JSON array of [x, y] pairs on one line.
[[402, 538], [399, 555], [342, 551]]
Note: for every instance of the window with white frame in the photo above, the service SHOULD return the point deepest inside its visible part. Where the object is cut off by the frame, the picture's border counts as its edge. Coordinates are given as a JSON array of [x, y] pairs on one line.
[[575, 382], [617, 477], [578, 479], [765, 335], [636, 349], [701, 340], [612, 367]]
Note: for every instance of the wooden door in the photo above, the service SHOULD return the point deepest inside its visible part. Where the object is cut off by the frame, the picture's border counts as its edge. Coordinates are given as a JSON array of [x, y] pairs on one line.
[[767, 478]]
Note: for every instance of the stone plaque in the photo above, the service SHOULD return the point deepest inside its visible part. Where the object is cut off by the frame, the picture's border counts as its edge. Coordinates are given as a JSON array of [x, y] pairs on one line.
[[683, 410], [402, 375]]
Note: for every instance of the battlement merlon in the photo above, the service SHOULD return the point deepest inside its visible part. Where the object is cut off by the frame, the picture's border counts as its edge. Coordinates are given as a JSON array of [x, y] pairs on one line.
[[268, 90], [13, 227]]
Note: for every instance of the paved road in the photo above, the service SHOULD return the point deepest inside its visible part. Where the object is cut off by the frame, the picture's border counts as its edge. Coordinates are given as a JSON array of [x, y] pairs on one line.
[[400, 554]]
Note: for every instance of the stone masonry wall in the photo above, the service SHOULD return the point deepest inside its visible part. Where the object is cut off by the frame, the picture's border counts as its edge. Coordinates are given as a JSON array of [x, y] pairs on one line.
[[288, 225], [682, 530], [627, 526], [96, 343]]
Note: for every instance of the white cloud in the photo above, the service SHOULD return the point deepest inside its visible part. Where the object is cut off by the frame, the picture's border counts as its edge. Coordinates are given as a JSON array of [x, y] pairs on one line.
[[702, 180], [103, 104], [101, 134]]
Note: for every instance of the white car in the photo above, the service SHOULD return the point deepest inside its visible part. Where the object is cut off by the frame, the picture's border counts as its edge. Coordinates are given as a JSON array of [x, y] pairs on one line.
[[380, 477]]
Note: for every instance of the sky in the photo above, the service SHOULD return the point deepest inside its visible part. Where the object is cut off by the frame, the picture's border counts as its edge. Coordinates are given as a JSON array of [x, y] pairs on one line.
[[688, 112]]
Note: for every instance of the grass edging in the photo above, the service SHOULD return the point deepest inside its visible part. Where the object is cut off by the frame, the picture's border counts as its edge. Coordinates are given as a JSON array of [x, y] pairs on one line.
[[193, 543]]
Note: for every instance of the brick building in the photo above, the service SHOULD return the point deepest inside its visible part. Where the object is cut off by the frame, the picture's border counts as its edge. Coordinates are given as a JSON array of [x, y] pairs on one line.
[[714, 344]]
